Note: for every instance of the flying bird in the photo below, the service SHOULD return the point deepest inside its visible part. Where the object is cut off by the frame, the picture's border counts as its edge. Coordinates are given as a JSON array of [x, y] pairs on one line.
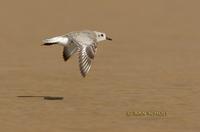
[[83, 42]]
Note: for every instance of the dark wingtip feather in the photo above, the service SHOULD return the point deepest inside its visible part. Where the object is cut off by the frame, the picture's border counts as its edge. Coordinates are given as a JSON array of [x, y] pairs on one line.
[[83, 74], [65, 57]]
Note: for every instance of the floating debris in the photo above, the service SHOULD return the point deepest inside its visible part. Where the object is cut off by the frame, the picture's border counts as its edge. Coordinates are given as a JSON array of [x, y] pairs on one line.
[[44, 97]]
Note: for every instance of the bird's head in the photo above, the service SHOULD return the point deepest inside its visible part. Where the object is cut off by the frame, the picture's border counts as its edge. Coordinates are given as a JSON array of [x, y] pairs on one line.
[[102, 36]]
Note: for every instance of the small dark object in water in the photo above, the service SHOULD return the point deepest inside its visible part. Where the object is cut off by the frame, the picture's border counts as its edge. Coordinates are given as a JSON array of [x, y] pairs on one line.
[[45, 97], [53, 98]]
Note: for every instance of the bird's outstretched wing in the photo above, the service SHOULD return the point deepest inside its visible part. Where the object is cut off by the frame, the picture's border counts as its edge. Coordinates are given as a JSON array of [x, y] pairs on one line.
[[86, 55], [86, 43], [69, 50]]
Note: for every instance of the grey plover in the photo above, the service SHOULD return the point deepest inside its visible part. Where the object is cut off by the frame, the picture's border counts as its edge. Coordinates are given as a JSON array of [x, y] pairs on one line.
[[83, 42]]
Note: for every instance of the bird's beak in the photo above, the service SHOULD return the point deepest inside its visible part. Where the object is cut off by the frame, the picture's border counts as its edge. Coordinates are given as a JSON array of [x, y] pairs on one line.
[[107, 38]]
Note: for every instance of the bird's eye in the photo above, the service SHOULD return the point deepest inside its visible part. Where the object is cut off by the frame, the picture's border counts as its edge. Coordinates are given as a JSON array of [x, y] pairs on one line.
[[101, 35]]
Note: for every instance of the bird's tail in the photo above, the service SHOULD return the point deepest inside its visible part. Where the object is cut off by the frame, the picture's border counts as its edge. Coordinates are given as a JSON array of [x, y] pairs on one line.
[[51, 41], [56, 40]]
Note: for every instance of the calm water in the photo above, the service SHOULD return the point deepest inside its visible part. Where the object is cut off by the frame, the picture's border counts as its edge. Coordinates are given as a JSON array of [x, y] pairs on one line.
[[152, 65]]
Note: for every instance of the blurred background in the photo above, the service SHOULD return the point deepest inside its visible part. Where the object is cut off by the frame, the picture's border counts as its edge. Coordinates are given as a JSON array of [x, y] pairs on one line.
[[152, 64]]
